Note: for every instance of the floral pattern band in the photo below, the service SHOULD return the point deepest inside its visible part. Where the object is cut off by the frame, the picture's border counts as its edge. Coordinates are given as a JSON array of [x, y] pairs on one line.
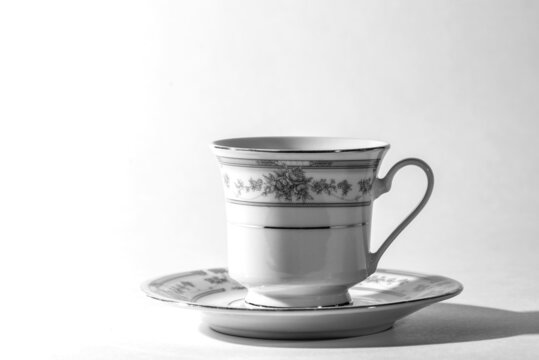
[[299, 182]]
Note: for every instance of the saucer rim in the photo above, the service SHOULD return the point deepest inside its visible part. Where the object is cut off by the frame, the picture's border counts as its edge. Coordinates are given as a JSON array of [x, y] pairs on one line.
[[145, 287]]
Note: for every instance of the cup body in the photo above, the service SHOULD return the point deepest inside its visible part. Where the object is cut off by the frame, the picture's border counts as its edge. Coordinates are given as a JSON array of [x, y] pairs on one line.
[[299, 212]]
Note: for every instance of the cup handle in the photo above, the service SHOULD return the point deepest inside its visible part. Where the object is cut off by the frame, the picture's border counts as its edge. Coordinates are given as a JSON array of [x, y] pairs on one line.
[[381, 186]]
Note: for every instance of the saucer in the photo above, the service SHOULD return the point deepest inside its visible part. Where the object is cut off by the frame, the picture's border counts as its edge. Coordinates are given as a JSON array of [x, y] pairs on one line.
[[377, 302]]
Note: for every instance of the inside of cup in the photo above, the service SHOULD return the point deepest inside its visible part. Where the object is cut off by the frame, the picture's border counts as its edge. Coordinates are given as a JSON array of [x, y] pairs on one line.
[[299, 144]]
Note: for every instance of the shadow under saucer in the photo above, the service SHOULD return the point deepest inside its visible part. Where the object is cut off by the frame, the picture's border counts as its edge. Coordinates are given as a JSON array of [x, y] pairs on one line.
[[436, 324]]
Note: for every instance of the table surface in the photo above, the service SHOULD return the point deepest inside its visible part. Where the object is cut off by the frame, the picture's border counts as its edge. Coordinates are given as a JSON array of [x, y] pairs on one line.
[[131, 326]]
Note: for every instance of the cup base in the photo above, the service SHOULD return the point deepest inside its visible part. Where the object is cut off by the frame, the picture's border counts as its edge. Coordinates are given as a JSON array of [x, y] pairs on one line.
[[318, 297]]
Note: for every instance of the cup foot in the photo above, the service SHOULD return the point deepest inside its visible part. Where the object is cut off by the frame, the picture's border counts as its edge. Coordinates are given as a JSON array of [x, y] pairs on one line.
[[314, 297]]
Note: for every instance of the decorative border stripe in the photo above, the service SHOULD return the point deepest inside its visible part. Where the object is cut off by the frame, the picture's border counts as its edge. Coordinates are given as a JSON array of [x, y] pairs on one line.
[[161, 281], [206, 293], [310, 164], [300, 227], [300, 204], [377, 290]]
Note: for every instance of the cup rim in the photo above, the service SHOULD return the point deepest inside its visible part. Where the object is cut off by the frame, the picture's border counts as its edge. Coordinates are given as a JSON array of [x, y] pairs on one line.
[[311, 144]]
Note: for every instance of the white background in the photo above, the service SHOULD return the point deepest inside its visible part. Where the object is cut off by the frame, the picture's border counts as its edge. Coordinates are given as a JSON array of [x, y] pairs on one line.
[[107, 109]]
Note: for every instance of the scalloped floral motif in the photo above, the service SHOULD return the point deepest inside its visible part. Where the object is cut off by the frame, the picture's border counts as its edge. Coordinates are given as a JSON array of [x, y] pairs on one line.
[[385, 280], [217, 279], [290, 183]]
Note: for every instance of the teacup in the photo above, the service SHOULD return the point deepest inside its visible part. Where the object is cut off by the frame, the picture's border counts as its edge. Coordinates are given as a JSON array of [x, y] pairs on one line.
[[299, 215]]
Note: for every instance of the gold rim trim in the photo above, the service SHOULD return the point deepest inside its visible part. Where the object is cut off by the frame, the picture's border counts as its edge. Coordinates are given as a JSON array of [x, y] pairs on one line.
[[329, 227]]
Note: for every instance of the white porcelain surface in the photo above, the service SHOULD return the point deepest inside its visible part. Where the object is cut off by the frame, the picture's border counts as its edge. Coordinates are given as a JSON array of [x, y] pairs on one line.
[[299, 212], [380, 300]]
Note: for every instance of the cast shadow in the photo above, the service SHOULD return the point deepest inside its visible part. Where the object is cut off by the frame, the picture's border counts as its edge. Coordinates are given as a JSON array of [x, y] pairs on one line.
[[436, 324]]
